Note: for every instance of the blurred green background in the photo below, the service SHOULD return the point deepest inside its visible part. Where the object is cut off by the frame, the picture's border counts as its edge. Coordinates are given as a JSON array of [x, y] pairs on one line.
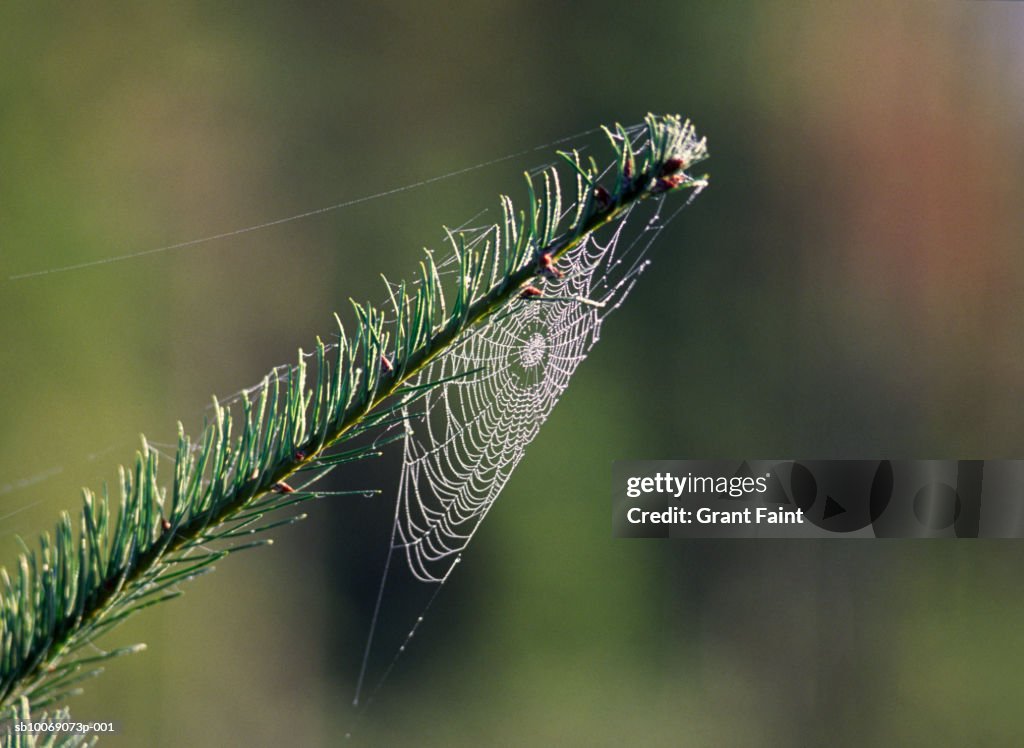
[[851, 285]]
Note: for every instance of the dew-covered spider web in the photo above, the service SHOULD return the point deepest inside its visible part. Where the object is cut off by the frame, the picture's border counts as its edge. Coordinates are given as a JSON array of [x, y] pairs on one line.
[[464, 438]]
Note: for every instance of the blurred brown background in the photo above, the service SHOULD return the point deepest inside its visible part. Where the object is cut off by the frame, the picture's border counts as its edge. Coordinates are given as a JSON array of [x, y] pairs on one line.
[[851, 285]]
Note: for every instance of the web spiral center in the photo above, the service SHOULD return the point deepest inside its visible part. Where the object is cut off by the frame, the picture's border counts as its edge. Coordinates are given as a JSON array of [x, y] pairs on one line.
[[532, 352]]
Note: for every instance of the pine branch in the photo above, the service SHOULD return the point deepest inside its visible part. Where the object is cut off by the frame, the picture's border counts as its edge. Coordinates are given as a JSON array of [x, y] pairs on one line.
[[70, 591]]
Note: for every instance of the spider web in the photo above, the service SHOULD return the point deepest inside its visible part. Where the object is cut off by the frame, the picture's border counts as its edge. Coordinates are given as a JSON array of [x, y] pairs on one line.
[[465, 437], [469, 434]]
